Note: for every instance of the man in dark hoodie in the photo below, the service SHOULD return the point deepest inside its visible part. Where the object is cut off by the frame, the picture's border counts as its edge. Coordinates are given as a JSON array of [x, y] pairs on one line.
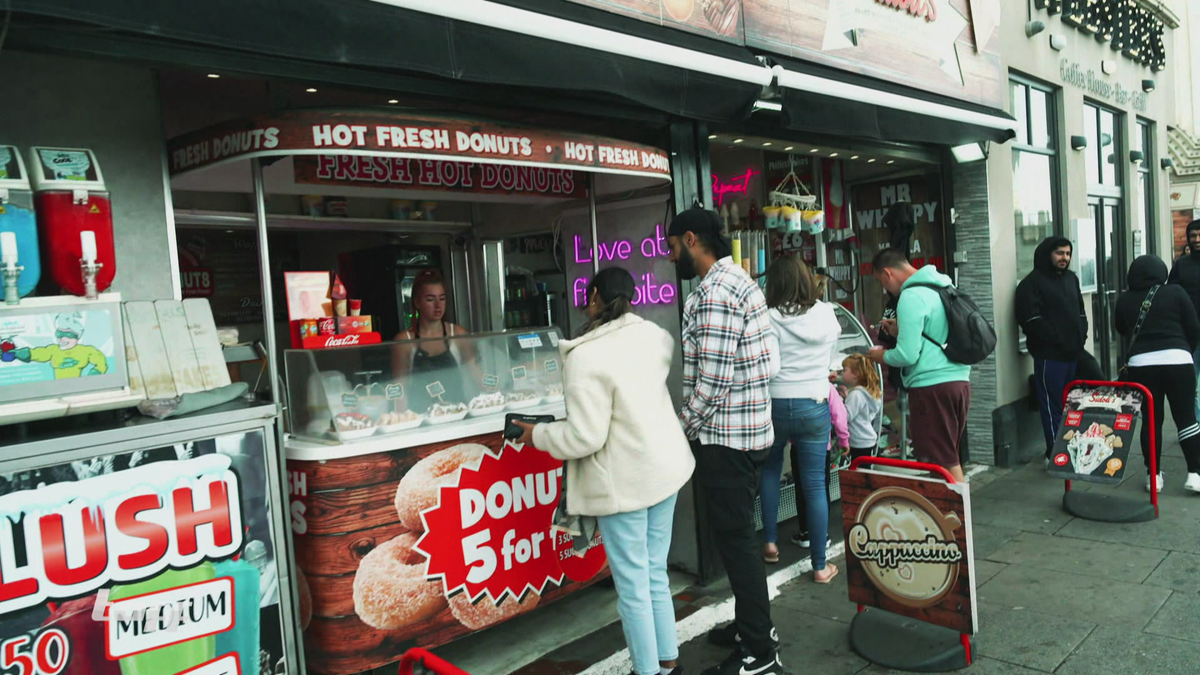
[[1050, 311], [1186, 272]]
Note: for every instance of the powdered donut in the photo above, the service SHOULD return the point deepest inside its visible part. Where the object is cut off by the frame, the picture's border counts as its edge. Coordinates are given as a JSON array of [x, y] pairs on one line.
[[390, 592], [418, 489], [484, 613], [305, 599]]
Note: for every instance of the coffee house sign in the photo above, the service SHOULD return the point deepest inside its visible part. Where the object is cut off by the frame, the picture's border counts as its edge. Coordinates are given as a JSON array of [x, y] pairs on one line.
[[1074, 74], [1132, 30]]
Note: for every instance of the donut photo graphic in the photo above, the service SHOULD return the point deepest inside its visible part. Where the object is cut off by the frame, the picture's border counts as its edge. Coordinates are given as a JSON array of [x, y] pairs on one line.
[[390, 588], [418, 489]]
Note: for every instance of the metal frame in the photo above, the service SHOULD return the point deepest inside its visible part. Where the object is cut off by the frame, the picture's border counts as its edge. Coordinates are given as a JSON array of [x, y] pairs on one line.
[[1054, 129], [1148, 131]]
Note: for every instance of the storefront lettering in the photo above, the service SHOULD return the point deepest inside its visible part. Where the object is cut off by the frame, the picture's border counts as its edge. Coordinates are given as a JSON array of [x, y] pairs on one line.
[[918, 8], [1132, 30], [432, 173], [647, 291], [873, 218], [195, 154], [738, 185], [1074, 74]]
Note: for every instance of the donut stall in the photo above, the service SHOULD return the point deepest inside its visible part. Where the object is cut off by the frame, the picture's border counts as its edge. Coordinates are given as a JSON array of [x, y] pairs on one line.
[[424, 269]]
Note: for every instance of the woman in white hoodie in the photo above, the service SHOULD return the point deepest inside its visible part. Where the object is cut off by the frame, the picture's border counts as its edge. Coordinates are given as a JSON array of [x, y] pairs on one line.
[[804, 333], [626, 458]]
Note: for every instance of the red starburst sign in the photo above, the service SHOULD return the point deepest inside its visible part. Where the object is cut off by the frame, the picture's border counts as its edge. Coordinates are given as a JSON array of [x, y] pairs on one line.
[[490, 533]]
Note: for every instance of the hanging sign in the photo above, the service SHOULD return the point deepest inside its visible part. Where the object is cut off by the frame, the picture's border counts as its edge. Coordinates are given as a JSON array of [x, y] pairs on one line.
[[436, 175], [384, 134]]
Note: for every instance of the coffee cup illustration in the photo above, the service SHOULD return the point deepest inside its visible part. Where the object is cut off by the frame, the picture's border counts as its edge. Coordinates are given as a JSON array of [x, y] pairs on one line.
[[906, 546]]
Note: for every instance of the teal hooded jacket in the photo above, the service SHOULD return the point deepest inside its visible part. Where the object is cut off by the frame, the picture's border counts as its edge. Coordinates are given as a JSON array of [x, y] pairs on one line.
[[920, 313]]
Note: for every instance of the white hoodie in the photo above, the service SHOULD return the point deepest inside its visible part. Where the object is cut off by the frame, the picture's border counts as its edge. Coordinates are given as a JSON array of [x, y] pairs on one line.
[[805, 345]]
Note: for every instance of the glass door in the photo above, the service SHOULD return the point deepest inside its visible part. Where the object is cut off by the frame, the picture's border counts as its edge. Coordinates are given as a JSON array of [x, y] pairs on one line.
[[1110, 265]]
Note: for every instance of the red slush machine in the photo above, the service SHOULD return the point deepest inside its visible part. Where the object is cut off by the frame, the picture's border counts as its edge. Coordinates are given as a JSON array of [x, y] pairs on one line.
[[74, 220]]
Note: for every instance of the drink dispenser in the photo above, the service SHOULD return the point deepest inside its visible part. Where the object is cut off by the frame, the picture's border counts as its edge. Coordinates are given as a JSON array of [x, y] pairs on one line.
[[74, 220], [19, 263]]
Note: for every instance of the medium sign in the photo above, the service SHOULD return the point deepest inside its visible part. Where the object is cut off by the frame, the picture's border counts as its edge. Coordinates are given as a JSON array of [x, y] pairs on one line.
[[908, 547]]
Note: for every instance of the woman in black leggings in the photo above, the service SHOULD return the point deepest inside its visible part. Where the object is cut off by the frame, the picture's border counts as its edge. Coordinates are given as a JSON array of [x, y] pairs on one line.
[[1161, 342]]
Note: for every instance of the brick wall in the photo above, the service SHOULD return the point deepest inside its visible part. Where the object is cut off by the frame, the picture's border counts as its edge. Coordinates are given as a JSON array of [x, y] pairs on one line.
[[972, 232]]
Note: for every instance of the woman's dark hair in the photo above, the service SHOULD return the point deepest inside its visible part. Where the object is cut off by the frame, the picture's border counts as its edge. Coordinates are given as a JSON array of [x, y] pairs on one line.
[[616, 290], [791, 286]]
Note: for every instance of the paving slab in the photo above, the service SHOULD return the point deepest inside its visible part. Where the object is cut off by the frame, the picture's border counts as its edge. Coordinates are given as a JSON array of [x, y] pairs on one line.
[[1028, 638], [1028, 486], [1075, 596], [980, 666], [1080, 556], [1179, 572], [1176, 529], [1115, 649], [1178, 618], [987, 539], [985, 570], [1046, 516], [828, 601], [816, 645]]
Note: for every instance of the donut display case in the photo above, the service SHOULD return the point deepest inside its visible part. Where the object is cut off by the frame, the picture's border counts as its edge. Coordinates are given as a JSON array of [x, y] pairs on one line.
[[414, 521]]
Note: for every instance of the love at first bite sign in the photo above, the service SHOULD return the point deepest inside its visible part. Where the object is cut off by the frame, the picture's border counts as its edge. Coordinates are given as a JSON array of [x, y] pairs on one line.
[[908, 547]]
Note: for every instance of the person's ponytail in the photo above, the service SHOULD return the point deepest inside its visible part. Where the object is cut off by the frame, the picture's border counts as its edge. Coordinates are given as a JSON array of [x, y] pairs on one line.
[[616, 290]]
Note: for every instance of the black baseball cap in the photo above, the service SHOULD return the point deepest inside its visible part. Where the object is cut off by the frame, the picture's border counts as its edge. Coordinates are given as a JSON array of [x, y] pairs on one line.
[[705, 224]]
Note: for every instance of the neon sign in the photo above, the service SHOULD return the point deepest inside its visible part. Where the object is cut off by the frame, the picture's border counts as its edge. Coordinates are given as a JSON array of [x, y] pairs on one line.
[[649, 291], [738, 185]]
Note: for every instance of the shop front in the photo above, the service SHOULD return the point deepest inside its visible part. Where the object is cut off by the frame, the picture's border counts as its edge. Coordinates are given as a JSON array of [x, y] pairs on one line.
[[1090, 162]]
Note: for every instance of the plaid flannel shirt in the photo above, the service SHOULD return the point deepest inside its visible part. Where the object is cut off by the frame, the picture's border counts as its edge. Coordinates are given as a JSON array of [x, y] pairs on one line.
[[726, 361]]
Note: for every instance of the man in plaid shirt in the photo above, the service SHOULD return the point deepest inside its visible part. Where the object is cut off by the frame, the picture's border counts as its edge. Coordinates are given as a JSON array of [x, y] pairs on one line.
[[727, 416]]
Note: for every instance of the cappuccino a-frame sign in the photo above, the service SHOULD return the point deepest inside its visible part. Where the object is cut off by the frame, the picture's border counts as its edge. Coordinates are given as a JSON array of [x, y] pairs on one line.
[[909, 552]]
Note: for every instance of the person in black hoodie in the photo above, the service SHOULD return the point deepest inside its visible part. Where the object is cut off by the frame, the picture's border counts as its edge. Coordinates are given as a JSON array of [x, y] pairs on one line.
[[1160, 357], [1050, 311], [1186, 273]]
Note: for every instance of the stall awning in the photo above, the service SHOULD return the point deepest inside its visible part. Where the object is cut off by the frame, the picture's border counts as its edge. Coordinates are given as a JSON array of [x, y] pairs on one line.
[[578, 49], [849, 105]]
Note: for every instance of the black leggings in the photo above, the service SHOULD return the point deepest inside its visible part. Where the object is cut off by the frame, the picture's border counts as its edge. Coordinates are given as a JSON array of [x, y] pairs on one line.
[[1177, 383]]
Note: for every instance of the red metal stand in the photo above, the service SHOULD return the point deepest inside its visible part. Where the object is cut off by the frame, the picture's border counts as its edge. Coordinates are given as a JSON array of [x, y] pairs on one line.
[[938, 471], [418, 661], [1149, 421]]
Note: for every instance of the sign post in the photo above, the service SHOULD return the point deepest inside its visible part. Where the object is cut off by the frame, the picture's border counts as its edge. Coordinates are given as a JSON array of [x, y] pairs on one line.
[[909, 556], [1099, 427]]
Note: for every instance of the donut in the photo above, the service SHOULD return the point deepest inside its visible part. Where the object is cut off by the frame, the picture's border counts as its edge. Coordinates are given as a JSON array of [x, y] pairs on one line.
[[305, 599], [391, 592], [418, 489], [484, 612]]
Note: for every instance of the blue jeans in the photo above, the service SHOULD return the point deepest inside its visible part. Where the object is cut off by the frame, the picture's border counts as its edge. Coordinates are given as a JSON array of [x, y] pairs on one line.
[[1050, 378], [806, 423], [637, 543]]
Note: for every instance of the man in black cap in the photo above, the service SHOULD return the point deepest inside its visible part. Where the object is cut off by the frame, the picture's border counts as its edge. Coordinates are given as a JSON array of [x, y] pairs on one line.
[[1050, 311], [1186, 273], [727, 416]]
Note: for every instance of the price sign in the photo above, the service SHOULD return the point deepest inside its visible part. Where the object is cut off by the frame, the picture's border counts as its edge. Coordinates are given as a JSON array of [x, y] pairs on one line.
[[553, 339], [491, 381], [393, 391], [519, 373], [531, 341], [551, 365], [435, 389], [349, 400]]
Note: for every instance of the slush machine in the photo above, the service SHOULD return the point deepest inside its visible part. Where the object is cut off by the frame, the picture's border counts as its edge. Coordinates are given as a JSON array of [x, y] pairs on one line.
[[19, 262], [74, 220]]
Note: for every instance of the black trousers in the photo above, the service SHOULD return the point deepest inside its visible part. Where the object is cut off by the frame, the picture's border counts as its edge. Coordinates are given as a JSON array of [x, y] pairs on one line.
[[1176, 384], [729, 479]]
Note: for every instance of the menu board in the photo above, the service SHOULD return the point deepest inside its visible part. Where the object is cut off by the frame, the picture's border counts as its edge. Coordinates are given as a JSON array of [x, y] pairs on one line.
[[1099, 426], [156, 561]]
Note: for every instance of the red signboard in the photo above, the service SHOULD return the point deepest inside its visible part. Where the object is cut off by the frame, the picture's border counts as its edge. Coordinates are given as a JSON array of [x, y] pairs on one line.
[[386, 134], [331, 341], [431, 174]]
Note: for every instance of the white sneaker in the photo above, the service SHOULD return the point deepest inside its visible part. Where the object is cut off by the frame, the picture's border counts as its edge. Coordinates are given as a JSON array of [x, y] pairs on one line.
[[1193, 482], [1160, 482]]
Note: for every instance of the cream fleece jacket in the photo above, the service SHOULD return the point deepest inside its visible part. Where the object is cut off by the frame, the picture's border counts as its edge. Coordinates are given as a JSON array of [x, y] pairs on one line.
[[622, 444]]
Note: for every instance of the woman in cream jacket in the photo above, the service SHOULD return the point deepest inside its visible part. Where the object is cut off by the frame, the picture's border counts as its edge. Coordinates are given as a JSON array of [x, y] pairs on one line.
[[626, 458]]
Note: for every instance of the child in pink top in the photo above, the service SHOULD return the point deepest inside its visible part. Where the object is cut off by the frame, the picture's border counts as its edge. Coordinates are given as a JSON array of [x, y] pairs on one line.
[[841, 423]]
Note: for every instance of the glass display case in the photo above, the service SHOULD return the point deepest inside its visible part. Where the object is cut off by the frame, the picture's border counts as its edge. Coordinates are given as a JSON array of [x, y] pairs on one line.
[[354, 393]]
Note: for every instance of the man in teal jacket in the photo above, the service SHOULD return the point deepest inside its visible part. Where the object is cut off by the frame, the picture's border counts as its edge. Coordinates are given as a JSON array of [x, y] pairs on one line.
[[939, 390]]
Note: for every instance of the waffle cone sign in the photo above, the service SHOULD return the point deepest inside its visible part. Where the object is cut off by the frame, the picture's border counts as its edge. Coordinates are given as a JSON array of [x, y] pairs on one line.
[[908, 547]]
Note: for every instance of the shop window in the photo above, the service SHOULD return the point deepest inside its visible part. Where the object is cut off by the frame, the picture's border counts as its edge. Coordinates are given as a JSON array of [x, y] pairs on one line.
[[1143, 230], [1103, 147], [1036, 203]]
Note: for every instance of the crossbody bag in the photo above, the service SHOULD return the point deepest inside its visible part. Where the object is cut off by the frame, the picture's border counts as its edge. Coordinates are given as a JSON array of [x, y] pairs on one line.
[[1137, 327]]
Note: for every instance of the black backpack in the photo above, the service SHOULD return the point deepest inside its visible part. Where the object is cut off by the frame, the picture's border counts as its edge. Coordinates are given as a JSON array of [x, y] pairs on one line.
[[971, 338]]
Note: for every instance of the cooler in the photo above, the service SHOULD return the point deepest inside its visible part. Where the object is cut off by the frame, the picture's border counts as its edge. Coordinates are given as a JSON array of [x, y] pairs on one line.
[[16, 216], [71, 199]]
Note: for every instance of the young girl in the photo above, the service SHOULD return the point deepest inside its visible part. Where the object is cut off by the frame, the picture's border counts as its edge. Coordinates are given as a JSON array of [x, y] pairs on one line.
[[864, 404]]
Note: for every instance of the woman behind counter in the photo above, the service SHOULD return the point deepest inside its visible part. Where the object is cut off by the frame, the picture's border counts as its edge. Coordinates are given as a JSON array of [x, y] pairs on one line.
[[431, 361], [626, 458]]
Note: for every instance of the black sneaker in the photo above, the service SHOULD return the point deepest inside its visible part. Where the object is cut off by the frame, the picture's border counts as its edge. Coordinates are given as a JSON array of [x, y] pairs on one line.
[[740, 663], [802, 541], [728, 636]]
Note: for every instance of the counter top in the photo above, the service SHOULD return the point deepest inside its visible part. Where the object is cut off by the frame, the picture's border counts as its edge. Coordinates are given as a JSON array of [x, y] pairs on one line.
[[317, 451]]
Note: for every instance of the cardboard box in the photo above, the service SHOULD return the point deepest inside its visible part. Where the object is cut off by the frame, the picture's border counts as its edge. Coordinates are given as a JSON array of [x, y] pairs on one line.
[[353, 324]]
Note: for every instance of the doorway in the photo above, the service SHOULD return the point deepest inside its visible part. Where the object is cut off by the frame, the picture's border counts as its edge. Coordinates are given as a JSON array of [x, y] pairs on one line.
[[1110, 264]]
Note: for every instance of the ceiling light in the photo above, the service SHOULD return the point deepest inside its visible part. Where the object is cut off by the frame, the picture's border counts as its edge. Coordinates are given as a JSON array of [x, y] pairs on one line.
[[891, 161], [768, 105], [833, 154], [393, 101], [767, 143], [737, 140], [869, 161], [789, 148], [854, 157], [311, 90], [968, 152], [712, 137], [214, 76], [814, 150]]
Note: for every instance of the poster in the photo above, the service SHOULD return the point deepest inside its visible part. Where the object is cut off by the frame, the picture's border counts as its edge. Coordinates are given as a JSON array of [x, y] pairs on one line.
[[1099, 427], [150, 562], [908, 547], [421, 546], [223, 267]]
